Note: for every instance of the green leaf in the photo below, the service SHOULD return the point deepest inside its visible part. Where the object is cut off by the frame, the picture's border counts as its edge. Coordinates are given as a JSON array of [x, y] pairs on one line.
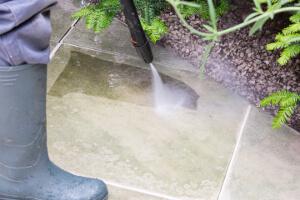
[[293, 28], [276, 45], [287, 102], [252, 15], [207, 51], [269, 3], [258, 25], [212, 14], [187, 11], [295, 18], [258, 5], [288, 53], [282, 117], [190, 4], [209, 28], [99, 16], [155, 30]]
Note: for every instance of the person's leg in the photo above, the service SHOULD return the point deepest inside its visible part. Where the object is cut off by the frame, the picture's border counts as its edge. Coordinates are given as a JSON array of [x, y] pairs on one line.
[[15, 12], [26, 173], [25, 31]]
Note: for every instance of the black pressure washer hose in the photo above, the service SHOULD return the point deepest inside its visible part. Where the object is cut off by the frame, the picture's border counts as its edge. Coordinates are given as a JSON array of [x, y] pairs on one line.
[[138, 37]]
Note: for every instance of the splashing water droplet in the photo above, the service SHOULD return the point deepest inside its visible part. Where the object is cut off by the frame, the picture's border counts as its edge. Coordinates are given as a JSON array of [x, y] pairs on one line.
[[165, 99]]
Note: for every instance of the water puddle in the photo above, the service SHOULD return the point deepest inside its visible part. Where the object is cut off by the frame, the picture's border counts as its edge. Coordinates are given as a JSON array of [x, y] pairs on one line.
[[91, 76]]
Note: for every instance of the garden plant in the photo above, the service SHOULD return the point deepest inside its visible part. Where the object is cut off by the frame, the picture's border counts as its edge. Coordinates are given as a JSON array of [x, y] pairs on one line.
[[288, 40], [99, 15]]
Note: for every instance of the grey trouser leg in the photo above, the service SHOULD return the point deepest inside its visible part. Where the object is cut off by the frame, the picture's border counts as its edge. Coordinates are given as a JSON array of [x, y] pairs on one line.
[[25, 31]]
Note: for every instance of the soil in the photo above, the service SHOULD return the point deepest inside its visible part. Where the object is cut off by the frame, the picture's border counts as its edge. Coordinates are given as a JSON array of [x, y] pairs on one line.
[[239, 61]]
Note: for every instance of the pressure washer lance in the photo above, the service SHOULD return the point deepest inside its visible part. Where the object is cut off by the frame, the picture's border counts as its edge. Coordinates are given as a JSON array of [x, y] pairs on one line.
[[138, 37]]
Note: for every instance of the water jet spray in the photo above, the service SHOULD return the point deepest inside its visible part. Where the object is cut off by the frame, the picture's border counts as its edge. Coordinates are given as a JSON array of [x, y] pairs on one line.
[[165, 99]]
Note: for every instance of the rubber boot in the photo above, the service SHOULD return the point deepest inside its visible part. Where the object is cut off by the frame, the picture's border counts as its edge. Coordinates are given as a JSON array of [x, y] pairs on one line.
[[26, 173]]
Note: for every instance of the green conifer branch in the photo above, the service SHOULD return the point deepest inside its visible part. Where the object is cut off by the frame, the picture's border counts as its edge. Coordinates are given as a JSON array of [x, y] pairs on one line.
[[287, 102]]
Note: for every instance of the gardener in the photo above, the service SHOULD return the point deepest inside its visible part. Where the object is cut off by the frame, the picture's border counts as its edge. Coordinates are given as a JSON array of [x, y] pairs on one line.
[[25, 169]]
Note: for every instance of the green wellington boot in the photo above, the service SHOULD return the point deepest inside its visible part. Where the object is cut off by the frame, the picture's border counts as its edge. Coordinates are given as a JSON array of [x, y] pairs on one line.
[[26, 173]]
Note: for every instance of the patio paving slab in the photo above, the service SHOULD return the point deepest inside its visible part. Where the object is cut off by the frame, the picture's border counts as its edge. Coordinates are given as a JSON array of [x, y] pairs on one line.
[[267, 166], [116, 40], [111, 138], [61, 17], [121, 194], [184, 156]]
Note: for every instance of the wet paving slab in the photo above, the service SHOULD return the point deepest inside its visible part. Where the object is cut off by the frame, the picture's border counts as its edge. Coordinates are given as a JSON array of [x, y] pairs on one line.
[[115, 134], [121, 194], [184, 154], [95, 77], [116, 40]]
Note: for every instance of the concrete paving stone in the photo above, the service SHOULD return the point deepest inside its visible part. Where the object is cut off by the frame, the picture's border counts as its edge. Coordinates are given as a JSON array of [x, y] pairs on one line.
[[116, 40], [267, 165], [121, 194], [57, 65], [52, 45], [61, 17], [184, 154]]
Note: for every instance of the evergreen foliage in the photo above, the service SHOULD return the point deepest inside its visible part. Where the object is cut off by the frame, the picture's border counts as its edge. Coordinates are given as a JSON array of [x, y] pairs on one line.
[[287, 102], [155, 29], [150, 9], [288, 40], [99, 15], [203, 9]]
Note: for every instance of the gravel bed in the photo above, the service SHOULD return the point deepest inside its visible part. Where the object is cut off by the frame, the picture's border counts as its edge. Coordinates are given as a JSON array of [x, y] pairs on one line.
[[238, 61]]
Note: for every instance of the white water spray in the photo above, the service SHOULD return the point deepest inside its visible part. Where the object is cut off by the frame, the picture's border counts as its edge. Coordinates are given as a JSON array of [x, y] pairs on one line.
[[165, 99]]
